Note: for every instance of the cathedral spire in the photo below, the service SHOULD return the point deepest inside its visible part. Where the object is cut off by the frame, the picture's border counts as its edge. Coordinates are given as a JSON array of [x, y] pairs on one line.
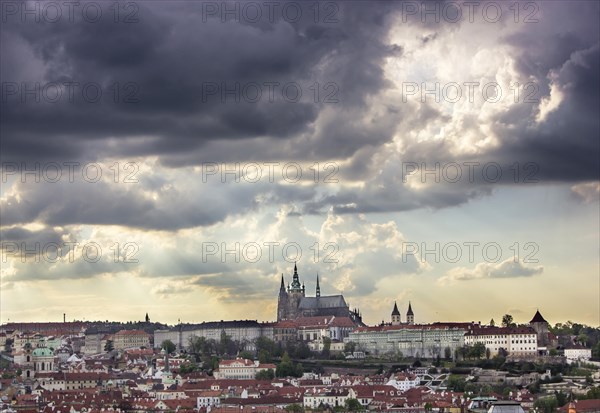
[[410, 316], [318, 287], [282, 288], [396, 319], [296, 286]]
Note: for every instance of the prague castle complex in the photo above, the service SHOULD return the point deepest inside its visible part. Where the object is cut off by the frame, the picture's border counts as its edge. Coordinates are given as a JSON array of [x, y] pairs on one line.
[[293, 303]]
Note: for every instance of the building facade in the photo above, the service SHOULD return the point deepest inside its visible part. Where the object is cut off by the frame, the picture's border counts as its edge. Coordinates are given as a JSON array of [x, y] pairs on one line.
[[520, 341], [125, 339], [427, 340], [244, 332], [578, 353], [241, 369]]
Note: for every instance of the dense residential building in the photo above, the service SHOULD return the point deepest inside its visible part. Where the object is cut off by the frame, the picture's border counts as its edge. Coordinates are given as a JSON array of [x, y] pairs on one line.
[[578, 353], [47, 328], [243, 331], [58, 375], [426, 340], [125, 339], [334, 397], [315, 328], [521, 341], [292, 302], [241, 369], [404, 382]]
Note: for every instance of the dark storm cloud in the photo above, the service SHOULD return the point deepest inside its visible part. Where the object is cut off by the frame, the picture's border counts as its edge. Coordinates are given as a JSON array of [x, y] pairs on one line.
[[173, 51], [42, 236], [153, 203], [237, 287], [171, 55]]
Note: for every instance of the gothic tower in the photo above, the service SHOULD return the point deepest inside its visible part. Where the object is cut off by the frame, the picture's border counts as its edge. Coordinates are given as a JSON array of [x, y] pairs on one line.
[[282, 302], [410, 317], [395, 315], [318, 292], [295, 294]]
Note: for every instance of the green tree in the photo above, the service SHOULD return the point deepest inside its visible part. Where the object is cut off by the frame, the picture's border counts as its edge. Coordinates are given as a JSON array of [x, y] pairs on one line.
[[561, 398], [350, 347], [287, 368], [246, 355], [492, 322], [168, 346], [593, 393], [201, 347], [488, 353], [8, 345], [109, 346], [294, 408], [456, 383], [353, 405], [266, 349], [223, 342], [268, 374], [596, 351], [302, 351], [447, 353], [546, 404], [477, 351], [187, 367], [507, 321], [264, 356], [326, 348]]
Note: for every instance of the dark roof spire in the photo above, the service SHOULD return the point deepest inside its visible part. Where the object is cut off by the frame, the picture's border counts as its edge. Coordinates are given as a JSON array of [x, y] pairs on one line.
[[395, 311], [282, 288], [537, 318], [318, 288], [410, 311]]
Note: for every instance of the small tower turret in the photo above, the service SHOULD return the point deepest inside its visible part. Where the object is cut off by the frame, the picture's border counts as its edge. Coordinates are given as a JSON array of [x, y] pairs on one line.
[[410, 317], [395, 315]]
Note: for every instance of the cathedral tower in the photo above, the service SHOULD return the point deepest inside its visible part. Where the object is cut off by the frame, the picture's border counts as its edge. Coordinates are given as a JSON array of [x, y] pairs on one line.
[[282, 302], [395, 315], [410, 317]]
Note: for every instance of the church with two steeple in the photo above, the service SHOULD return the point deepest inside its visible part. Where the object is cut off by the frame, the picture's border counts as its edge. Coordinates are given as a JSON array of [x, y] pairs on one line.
[[293, 303], [397, 319]]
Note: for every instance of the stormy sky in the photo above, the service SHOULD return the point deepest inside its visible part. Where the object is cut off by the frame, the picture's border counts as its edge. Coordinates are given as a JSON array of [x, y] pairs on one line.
[[176, 157]]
